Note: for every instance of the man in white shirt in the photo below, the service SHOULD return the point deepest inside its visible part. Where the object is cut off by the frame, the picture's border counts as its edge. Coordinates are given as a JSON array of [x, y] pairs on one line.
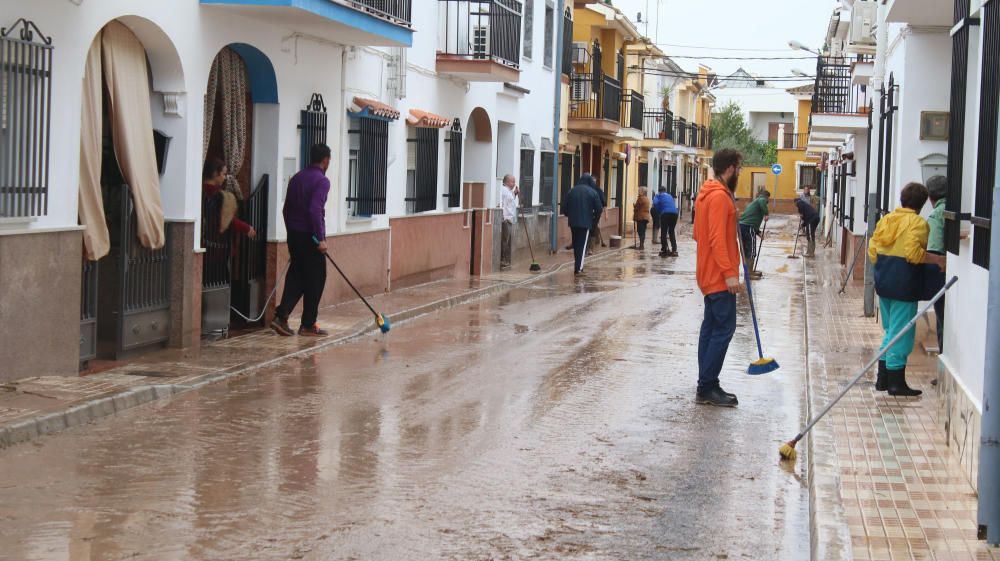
[[509, 203]]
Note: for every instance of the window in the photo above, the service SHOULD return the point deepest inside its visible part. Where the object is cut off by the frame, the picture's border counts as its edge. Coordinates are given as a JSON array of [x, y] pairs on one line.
[[989, 120], [527, 177], [368, 150], [548, 179], [454, 140], [807, 177], [529, 27], [421, 169], [565, 175], [956, 125], [550, 20], [26, 86], [772, 132]]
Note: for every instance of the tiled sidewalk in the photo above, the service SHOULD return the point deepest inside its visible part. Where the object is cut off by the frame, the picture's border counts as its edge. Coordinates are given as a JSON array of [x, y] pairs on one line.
[[902, 493], [35, 406]]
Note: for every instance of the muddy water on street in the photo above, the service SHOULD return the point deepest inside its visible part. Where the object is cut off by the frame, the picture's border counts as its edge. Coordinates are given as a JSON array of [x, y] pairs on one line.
[[555, 422]]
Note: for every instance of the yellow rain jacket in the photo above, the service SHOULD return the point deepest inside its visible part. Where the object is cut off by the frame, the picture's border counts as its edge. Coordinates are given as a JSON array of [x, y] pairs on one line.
[[897, 249]]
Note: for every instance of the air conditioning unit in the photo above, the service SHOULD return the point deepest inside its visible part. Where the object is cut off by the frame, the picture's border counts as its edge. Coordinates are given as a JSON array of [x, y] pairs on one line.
[[864, 20], [836, 47], [580, 90]]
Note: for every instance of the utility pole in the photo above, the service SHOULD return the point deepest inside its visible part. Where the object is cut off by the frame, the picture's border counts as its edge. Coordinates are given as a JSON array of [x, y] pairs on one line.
[[989, 440], [557, 107], [875, 128]]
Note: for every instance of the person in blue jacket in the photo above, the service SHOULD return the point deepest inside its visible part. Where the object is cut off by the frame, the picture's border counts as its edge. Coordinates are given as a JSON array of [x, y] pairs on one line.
[[665, 205], [582, 207]]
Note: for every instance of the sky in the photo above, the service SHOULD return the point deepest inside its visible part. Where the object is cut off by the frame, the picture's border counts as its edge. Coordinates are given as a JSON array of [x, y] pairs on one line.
[[735, 28]]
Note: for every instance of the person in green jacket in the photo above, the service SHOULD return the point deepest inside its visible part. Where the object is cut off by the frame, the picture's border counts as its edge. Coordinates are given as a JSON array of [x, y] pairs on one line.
[[937, 190], [750, 221]]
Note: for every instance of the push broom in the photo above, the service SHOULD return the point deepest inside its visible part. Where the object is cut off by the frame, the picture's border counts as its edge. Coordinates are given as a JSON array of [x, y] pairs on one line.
[[381, 321], [762, 365], [787, 450], [795, 246], [535, 267]]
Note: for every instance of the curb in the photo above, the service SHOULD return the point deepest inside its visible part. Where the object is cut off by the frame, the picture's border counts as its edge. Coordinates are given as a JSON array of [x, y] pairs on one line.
[[83, 413], [829, 534]]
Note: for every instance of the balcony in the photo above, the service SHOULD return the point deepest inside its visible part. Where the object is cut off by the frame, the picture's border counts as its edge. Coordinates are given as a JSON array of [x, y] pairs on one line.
[[680, 131], [595, 104], [381, 23], [480, 40], [633, 107], [794, 141], [658, 125], [838, 105]]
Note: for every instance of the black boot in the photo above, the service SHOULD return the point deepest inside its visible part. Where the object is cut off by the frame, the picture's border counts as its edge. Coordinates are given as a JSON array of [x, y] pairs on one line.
[[896, 380], [880, 382], [716, 396]]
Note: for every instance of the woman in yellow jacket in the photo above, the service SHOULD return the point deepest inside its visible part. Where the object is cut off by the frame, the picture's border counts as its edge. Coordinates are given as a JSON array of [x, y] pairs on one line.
[[897, 249]]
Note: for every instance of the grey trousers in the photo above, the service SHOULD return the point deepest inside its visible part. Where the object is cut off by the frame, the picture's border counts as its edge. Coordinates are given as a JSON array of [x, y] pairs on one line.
[[506, 233]]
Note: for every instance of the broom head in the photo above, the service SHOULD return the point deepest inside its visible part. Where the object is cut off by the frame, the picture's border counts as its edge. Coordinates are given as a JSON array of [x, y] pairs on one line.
[[762, 366], [787, 450], [535, 267], [383, 323]]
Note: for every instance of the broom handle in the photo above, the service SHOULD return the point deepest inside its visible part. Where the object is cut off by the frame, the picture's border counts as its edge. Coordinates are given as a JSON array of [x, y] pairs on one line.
[[753, 309], [347, 280], [756, 258], [881, 353], [526, 234]]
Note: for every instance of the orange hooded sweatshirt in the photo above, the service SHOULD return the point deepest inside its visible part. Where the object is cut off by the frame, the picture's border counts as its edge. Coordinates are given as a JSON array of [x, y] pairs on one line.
[[715, 233]]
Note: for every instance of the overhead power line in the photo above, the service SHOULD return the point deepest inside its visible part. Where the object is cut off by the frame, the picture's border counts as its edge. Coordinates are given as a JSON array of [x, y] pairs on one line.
[[743, 57], [744, 49]]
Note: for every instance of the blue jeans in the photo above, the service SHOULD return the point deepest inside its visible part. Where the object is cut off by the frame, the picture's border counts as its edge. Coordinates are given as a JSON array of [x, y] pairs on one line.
[[717, 331]]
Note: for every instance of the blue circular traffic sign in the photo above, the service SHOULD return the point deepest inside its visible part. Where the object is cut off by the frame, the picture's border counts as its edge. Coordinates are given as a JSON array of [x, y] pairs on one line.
[[776, 169]]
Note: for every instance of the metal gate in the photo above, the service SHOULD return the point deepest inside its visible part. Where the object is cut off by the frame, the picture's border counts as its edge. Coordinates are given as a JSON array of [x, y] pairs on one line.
[[216, 291], [88, 311], [144, 296], [250, 269]]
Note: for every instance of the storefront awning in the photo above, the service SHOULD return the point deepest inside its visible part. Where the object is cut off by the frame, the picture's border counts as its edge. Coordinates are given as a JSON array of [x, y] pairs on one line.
[[364, 107], [426, 119]]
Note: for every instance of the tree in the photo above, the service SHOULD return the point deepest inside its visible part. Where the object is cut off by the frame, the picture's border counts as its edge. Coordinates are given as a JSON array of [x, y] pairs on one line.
[[729, 130]]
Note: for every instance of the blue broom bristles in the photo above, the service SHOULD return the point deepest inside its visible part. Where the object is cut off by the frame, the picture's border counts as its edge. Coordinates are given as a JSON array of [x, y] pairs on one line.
[[762, 366], [383, 323]]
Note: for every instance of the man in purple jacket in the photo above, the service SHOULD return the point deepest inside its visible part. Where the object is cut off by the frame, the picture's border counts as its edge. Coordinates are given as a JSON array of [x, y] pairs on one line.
[[305, 219]]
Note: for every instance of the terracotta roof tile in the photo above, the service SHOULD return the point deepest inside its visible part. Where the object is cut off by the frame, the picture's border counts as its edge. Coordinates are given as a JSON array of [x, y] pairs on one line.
[[374, 108], [421, 118]]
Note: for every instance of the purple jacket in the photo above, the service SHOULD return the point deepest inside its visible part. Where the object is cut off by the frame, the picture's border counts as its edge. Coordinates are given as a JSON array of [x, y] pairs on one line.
[[305, 202]]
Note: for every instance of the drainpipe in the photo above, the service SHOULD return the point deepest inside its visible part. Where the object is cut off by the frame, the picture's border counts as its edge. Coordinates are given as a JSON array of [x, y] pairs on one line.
[[557, 107], [989, 443], [878, 78]]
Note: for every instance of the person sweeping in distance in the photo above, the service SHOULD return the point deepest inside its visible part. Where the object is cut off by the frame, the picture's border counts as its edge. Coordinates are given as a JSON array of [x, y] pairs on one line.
[[897, 249], [581, 206], [753, 215], [665, 205], [810, 221], [718, 272]]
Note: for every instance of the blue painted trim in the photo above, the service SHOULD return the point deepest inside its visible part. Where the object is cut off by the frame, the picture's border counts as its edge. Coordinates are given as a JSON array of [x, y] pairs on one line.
[[260, 71], [336, 12]]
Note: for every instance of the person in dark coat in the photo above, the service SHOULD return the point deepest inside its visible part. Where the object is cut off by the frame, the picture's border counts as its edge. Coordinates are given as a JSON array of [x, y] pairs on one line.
[[596, 237], [582, 207], [810, 221]]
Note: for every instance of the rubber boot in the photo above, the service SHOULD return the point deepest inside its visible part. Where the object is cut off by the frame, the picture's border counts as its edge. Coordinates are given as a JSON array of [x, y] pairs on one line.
[[811, 250], [880, 381], [897, 384]]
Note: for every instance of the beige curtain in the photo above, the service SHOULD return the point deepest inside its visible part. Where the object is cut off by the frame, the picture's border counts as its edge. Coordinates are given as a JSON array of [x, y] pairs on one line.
[[95, 228], [228, 77], [127, 79]]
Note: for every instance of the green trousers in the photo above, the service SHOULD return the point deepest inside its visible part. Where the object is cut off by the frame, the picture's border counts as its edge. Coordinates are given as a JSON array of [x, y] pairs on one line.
[[895, 315]]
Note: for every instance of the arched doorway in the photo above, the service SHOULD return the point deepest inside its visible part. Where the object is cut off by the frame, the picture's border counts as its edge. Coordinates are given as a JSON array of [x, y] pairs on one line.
[[241, 97], [478, 156], [124, 139]]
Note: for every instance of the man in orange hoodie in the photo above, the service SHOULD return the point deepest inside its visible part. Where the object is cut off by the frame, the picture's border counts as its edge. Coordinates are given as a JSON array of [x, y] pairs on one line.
[[718, 273]]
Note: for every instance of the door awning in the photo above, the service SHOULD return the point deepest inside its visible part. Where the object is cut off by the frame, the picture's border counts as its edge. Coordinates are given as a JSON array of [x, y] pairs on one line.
[[364, 107]]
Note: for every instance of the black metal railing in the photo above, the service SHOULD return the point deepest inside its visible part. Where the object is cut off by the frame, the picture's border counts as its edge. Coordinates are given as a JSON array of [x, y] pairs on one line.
[[312, 127], [397, 10], [251, 255], [88, 310], [454, 138], [956, 132], [633, 107], [594, 96], [367, 190], [680, 131], [216, 242], [796, 140], [547, 172], [566, 178], [658, 124], [834, 92], [422, 190], [527, 179], [989, 122], [145, 272], [25, 111], [481, 30], [567, 46]]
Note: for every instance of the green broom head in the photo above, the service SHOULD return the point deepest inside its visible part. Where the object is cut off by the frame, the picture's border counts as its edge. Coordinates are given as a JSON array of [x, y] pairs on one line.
[[762, 366], [535, 266], [383, 323]]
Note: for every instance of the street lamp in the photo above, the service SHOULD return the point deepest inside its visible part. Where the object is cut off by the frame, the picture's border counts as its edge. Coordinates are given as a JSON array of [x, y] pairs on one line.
[[801, 73], [796, 46]]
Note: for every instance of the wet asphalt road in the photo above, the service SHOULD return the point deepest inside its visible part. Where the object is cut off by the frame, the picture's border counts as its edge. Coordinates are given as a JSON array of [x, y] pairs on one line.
[[555, 422]]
